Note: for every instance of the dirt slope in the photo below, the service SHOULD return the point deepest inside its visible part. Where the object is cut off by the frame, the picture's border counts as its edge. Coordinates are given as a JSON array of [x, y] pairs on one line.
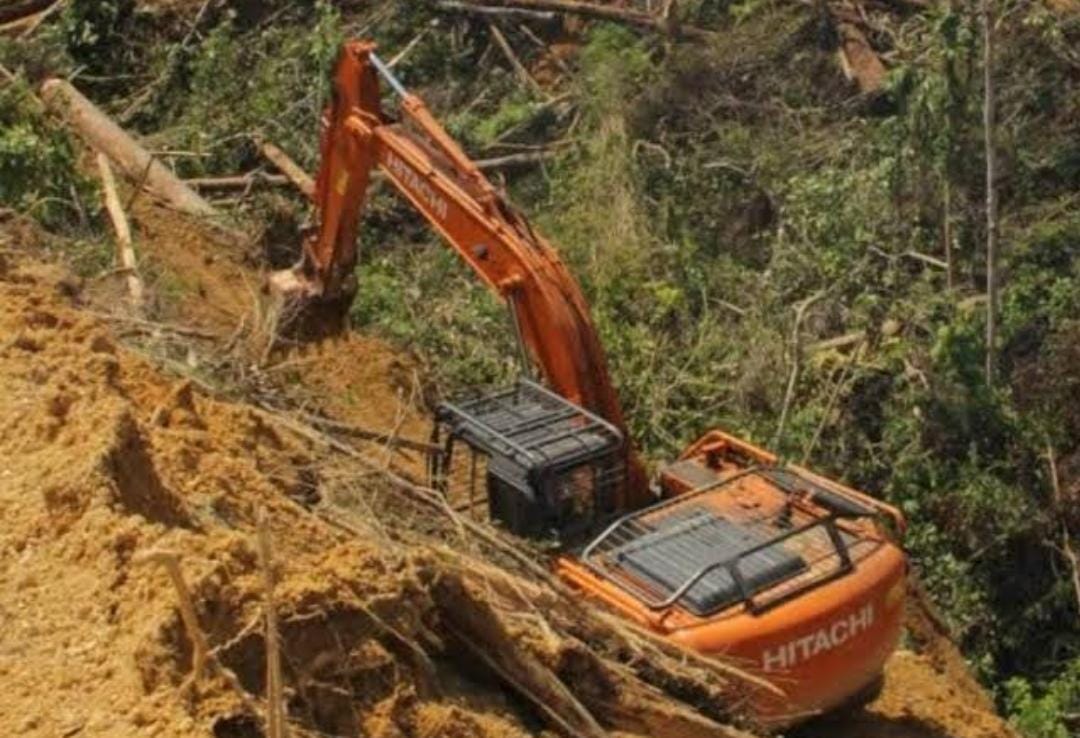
[[105, 458]]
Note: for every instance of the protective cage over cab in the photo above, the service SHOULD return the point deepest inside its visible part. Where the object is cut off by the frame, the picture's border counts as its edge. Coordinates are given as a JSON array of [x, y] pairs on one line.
[[545, 467]]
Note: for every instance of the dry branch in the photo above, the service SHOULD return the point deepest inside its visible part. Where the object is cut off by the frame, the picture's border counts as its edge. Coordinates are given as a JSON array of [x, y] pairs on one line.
[[512, 161], [839, 342], [124, 245], [150, 326], [201, 653], [238, 181], [808, 450], [543, 47], [275, 713], [170, 561], [634, 18], [519, 68], [367, 434], [13, 12], [480, 629], [479, 601], [400, 56], [26, 25], [452, 6], [796, 365], [104, 135], [304, 182]]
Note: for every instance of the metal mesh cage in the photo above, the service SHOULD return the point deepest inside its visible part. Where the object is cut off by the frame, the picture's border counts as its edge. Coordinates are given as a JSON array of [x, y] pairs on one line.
[[544, 465], [705, 551]]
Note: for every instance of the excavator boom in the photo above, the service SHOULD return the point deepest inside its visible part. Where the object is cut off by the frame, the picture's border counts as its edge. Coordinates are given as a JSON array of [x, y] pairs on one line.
[[428, 168]]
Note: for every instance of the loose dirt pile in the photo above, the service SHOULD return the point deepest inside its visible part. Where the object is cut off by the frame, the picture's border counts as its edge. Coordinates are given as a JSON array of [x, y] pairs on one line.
[[928, 692], [386, 631], [106, 461]]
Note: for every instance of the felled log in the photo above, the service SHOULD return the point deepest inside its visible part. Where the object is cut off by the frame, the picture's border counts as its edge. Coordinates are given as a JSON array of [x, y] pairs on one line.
[[579, 690], [289, 168], [104, 135], [452, 6]]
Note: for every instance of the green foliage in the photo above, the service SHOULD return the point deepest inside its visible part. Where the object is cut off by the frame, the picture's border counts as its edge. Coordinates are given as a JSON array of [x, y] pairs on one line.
[[1045, 715], [428, 300], [1044, 280], [511, 113], [280, 92], [94, 31], [38, 172]]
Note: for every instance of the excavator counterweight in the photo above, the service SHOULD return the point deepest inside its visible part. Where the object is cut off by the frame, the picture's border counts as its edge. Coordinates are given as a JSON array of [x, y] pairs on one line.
[[730, 552]]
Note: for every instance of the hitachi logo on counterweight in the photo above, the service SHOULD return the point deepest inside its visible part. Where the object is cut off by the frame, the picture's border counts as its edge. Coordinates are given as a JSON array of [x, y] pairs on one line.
[[827, 638]]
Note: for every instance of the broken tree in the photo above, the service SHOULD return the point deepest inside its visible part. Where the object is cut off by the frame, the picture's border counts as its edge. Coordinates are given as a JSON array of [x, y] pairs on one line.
[[104, 135]]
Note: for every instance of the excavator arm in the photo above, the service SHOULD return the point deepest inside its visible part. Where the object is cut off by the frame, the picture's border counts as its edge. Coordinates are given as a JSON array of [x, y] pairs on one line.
[[431, 171]]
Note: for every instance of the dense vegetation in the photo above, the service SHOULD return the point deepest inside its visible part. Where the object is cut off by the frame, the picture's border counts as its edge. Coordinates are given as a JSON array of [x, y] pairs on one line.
[[729, 205]]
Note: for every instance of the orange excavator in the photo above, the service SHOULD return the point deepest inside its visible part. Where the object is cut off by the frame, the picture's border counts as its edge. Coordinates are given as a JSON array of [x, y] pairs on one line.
[[728, 551]]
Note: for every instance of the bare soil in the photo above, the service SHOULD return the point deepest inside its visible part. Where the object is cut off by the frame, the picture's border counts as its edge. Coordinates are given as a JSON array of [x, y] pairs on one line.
[[105, 459], [105, 456]]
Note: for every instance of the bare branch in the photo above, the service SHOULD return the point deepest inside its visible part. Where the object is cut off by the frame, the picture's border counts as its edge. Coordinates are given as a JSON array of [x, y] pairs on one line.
[[124, 245], [275, 719]]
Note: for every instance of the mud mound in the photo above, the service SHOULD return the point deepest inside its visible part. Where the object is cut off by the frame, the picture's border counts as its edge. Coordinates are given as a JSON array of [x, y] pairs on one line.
[[88, 481], [204, 279], [385, 629], [917, 701], [103, 459], [106, 461], [195, 272]]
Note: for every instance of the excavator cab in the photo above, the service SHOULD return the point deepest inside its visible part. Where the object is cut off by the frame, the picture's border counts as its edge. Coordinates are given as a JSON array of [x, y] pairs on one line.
[[545, 467]]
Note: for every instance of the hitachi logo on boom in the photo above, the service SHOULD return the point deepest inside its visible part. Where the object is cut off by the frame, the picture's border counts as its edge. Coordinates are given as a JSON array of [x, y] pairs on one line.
[[827, 638]]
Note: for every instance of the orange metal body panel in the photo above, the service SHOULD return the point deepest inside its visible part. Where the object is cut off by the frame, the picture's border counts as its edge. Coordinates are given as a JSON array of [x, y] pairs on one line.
[[819, 647], [826, 663]]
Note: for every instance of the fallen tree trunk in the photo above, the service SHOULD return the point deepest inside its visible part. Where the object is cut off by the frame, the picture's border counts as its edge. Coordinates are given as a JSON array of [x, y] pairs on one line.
[[104, 135], [577, 688], [452, 6], [289, 168]]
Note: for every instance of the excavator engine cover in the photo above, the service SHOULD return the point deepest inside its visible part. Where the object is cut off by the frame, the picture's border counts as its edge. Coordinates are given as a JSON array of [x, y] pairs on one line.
[[551, 468]]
